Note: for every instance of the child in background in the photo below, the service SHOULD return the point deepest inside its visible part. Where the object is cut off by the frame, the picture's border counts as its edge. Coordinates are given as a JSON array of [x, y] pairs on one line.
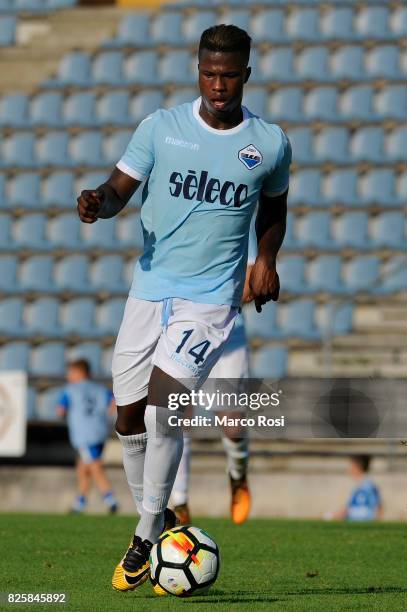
[[86, 406]]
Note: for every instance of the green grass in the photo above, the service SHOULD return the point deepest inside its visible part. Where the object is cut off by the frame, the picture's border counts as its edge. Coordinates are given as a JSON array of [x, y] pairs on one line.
[[266, 565]]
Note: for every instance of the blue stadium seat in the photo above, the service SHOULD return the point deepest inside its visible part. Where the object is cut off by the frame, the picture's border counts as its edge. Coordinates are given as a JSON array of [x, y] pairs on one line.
[[29, 232], [58, 4], [269, 362], [42, 317], [361, 274], [115, 145], [14, 110], [106, 361], [58, 190], [357, 103], [236, 16], [254, 65], [261, 325], [394, 275], [113, 107], [29, 5], [331, 144], [109, 316], [291, 271], [383, 62], [321, 103], [350, 230], [6, 6], [107, 68], [303, 24], [24, 190], [6, 241], [301, 142], [8, 26], [290, 242], [367, 144], [255, 99], [377, 187], [305, 187], [313, 230], [79, 109], [14, 356], [166, 28], [74, 69], [133, 31], [63, 231], [195, 23], [11, 314], [337, 23], [52, 149], [129, 231], [3, 200], [323, 274], [31, 404], [402, 188], [286, 104], [296, 319], [140, 68], [78, 317], [90, 180], [47, 403], [268, 26], [18, 150], [372, 22], [398, 21], [35, 274], [387, 230], [348, 63], [99, 235], [90, 351], [312, 63], [45, 109], [8, 274], [277, 64], [340, 187], [396, 144], [146, 102], [180, 96], [86, 149], [48, 359], [107, 274], [175, 66], [71, 274], [391, 102], [334, 318]]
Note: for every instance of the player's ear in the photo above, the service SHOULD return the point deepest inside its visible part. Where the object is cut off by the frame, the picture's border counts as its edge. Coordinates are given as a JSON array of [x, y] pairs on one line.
[[248, 73]]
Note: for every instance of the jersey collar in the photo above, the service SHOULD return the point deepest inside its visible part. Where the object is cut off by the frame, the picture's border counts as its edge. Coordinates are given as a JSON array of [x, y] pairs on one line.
[[196, 105]]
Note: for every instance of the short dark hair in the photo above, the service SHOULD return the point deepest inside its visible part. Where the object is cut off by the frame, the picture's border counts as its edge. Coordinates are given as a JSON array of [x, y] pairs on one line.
[[226, 38], [363, 461], [81, 364]]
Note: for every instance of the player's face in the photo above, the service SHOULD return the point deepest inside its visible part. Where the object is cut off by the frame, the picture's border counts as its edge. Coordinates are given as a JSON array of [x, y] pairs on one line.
[[74, 375], [221, 80]]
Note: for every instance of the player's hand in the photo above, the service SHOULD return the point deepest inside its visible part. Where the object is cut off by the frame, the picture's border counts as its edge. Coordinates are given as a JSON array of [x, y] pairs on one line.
[[264, 283], [247, 292], [89, 203]]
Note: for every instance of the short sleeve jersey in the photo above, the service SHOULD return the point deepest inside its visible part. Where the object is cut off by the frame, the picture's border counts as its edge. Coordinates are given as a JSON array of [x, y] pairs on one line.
[[201, 189], [364, 502]]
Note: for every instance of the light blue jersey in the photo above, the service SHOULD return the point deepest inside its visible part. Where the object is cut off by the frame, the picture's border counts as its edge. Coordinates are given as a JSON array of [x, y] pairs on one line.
[[364, 502], [87, 405], [203, 185]]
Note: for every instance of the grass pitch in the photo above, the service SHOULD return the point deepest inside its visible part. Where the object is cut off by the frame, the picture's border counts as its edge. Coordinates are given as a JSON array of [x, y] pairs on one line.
[[266, 565]]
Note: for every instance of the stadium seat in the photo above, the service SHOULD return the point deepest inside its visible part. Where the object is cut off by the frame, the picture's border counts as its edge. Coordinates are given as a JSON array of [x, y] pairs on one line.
[[42, 317], [112, 108], [387, 230], [86, 149], [45, 109], [291, 271], [269, 362], [14, 110], [90, 180], [195, 23], [377, 187], [296, 319], [361, 274], [109, 316], [180, 96], [323, 274], [350, 230], [24, 190], [129, 232], [268, 26], [11, 313], [29, 5], [347, 62], [305, 187], [401, 189], [107, 68], [8, 274], [6, 241], [321, 103], [398, 21], [255, 99], [166, 28], [393, 275], [78, 317], [29, 232], [35, 274], [107, 274], [286, 104], [58, 190], [146, 102], [47, 404], [115, 145], [175, 66], [301, 142], [277, 64], [334, 318], [367, 144], [71, 274], [312, 63], [48, 360], [383, 62], [63, 231], [140, 68], [31, 404], [396, 144], [313, 230], [18, 150], [106, 361], [89, 351], [391, 102], [79, 109], [303, 24], [133, 31], [356, 103], [74, 69], [336, 23], [340, 187], [237, 16], [14, 356], [52, 149], [100, 235], [372, 22], [8, 26], [261, 325], [331, 144], [3, 200]]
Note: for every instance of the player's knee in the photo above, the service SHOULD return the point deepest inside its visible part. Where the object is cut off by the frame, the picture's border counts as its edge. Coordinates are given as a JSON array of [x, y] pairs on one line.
[[130, 419]]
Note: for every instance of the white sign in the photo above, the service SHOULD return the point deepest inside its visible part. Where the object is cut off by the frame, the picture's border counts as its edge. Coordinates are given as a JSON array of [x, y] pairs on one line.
[[13, 421]]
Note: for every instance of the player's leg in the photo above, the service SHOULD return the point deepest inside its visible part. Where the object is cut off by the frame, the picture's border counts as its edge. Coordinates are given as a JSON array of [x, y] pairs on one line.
[[179, 495], [98, 473], [83, 481]]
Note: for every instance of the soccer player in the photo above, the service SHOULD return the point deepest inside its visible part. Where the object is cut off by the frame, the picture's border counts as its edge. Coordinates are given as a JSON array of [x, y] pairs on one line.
[[364, 503], [207, 163], [87, 405]]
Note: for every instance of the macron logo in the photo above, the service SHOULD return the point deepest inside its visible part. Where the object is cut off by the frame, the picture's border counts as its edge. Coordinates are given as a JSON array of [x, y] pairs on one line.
[[177, 142]]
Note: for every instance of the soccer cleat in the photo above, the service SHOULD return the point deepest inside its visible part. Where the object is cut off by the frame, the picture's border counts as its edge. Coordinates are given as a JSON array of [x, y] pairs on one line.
[[241, 500], [182, 514]]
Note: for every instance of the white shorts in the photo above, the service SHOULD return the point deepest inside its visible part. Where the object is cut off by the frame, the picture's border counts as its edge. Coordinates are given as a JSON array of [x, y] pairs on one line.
[[183, 338], [232, 364]]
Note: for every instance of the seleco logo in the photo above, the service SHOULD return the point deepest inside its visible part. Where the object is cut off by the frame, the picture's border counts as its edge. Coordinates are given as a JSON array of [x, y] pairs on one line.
[[250, 157], [204, 188]]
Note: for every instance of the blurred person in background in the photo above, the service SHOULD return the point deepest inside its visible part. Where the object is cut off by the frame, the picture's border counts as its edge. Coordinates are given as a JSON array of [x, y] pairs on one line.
[[87, 406]]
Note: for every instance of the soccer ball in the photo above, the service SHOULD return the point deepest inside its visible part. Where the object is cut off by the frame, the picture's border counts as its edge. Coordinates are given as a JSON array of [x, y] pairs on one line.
[[184, 561]]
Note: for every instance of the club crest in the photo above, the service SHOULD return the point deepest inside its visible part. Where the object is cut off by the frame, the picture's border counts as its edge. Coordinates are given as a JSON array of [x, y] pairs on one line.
[[250, 157]]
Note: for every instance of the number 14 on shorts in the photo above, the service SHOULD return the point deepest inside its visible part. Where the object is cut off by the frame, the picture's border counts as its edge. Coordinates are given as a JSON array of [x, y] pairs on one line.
[[197, 351]]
